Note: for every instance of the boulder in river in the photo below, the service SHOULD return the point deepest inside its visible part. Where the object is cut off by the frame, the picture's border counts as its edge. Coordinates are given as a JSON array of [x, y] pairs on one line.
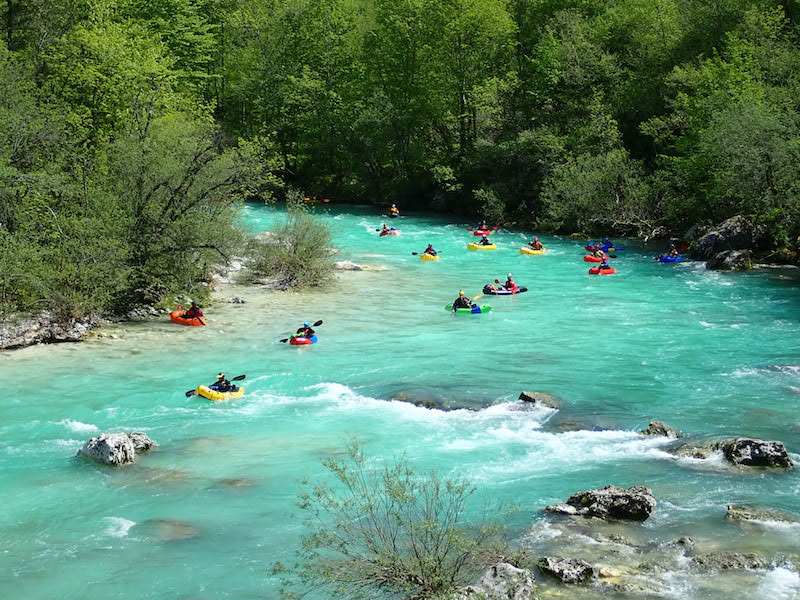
[[731, 260], [541, 398], [730, 560], [42, 328], [659, 428], [753, 452], [116, 448], [740, 512], [609, 502], [166, 530], [736, 233], [568, 570], [503, 581]]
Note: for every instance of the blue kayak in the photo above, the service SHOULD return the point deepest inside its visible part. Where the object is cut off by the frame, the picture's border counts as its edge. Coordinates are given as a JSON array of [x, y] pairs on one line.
[[670, 258]]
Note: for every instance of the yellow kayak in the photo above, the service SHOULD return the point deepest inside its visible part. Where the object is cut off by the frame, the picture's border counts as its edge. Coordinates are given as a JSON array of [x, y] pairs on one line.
[[529, 250], [472, 246], [207, 392], [426, 256]]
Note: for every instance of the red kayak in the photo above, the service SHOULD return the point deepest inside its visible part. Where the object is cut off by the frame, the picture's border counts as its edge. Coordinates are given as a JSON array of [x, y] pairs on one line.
[[390, 232], [176, 316], [599, 271], [589, 258]]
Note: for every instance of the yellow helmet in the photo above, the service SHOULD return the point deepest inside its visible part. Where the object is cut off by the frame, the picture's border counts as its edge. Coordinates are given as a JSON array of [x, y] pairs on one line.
[[220, 375], [461, 292]]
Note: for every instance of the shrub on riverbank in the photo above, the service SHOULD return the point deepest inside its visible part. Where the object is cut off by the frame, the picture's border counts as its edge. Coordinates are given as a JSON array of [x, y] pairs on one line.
[[388, 530], [298, 252]]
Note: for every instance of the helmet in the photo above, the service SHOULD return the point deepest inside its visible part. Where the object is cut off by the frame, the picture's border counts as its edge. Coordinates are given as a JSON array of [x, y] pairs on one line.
[[220, 375], [509, 275], [306, 324], [460, 292], [535, 239]]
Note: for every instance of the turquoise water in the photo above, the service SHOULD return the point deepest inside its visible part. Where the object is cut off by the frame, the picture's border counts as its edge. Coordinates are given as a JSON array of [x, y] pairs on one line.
[[713, 354]]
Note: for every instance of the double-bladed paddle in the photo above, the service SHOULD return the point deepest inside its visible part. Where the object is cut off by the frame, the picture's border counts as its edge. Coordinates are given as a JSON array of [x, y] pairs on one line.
[[237, 378], [317, 324]]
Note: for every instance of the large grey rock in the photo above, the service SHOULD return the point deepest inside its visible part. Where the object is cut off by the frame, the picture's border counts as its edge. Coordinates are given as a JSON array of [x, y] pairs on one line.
[[503, 581], [541, 398], [736, 233], [739, 512], [609, 502], [752, 452], [731, 260], [568, 570], [730, 560], [116, 448], [42, 328], [659, 428]]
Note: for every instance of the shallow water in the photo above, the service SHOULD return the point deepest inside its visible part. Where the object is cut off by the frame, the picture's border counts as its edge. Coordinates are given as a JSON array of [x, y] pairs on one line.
[[713, 354]]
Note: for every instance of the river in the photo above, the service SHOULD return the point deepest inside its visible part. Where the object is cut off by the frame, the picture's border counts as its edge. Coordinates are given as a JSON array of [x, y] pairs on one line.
[[713, 354]]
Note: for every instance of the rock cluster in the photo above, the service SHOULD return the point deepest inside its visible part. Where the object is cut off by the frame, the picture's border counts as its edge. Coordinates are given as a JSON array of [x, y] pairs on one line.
[[43, 328], [747, 452], [116, 448], [730, 244], [503, 581], [568, 570], [609, 502]]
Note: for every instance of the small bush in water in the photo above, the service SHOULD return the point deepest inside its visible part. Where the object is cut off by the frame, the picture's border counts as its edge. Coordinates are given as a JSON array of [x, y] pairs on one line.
[[298, 253], [386, 531]]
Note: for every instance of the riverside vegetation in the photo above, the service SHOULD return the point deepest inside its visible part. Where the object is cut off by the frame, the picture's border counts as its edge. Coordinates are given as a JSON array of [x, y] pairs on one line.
[[131, 130]]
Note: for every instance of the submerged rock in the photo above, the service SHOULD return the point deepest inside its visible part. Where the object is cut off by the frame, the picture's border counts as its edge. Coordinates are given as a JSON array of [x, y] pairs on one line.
[[503, 581], [730, 560], [568, 570], [738, 512], [753, 452], [166, 530], [659, 428], [237, 300], [609, 502], [116, 448], [541, 398], [700, 450], [731, 260]]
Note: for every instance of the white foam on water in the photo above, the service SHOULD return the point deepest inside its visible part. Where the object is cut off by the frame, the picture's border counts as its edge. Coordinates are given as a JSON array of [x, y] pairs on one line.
[[118, 526], [779, 584], [77, 426]]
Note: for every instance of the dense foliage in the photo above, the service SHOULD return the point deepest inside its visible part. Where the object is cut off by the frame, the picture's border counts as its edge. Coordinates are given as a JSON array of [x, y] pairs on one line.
[[129, 128]]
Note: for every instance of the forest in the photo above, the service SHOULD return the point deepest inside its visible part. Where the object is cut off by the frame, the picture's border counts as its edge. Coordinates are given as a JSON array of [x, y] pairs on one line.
[[131, 130]]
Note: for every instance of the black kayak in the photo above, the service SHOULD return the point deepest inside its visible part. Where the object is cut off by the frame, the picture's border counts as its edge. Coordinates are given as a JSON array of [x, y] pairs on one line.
[[504, 291]]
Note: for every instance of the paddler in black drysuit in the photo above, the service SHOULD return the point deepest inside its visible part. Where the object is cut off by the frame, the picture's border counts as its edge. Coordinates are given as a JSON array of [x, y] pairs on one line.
[[305, 330], [195, 311], [485, 241], [222, 384], [462, 301], [429, 250]]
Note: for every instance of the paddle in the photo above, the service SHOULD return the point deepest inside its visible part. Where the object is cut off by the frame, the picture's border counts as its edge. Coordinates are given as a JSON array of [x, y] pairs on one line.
[[237, 378], [488, 228], [416, 253], [317, 324]]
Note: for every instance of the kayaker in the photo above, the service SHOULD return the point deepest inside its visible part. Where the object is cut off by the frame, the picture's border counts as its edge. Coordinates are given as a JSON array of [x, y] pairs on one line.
[[604, 264], [673, 251], [482, 226], [430, 250], [384, 228], [536, 244], [222, 384], [195, 311], [393, 210], [485, 241], [510, 284], [305, 330], [462, 301], [599, 253]]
